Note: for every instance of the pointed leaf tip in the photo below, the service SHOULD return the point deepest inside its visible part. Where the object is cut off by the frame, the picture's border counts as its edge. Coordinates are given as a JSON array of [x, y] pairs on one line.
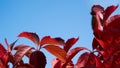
[[108, 11], [70, 42]]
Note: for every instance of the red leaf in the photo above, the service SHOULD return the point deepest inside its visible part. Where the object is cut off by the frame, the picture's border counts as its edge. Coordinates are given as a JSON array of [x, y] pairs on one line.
[[2, 64], [73, 52], [82, 60], [95, 44], [10, 46], [70, 42], [57, 51], [21, 51], [89, 60], [112, 26], [48, 40], [60, 41], [102, 44], [109, 11], [56, 63], [31, 36], [3, 54], [98, 62]]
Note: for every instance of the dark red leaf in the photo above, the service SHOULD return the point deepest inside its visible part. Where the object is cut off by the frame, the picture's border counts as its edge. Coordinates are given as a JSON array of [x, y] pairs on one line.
[[102, 44], [109, 11], [72, 53], [48, 40], [94, 44], [56, 51], [21, 51], [60, 41], [112, 26], [38, 59], [89, 60], [31, 36], [82, 61], [70, 42]]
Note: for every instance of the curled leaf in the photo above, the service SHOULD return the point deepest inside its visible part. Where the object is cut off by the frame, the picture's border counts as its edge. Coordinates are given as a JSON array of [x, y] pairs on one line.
[[56, 51], [31, 36]]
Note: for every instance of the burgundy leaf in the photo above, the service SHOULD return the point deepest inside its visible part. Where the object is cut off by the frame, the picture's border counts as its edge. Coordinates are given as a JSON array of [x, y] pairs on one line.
[[82, 61], [38, 59], [109, 11], [56, 51], [70, 42], [31, 36], [21, 51], [48, 40]]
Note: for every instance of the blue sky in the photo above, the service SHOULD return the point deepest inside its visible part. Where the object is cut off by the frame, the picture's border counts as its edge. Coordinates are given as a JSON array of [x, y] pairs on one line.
[[57, 18]]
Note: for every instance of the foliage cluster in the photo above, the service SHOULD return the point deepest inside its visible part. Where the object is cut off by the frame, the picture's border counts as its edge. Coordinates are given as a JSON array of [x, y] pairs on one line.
[[105, 51]]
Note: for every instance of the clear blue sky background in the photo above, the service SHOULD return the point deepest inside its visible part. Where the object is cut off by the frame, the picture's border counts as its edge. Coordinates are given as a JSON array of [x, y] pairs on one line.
[[57, 18]]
